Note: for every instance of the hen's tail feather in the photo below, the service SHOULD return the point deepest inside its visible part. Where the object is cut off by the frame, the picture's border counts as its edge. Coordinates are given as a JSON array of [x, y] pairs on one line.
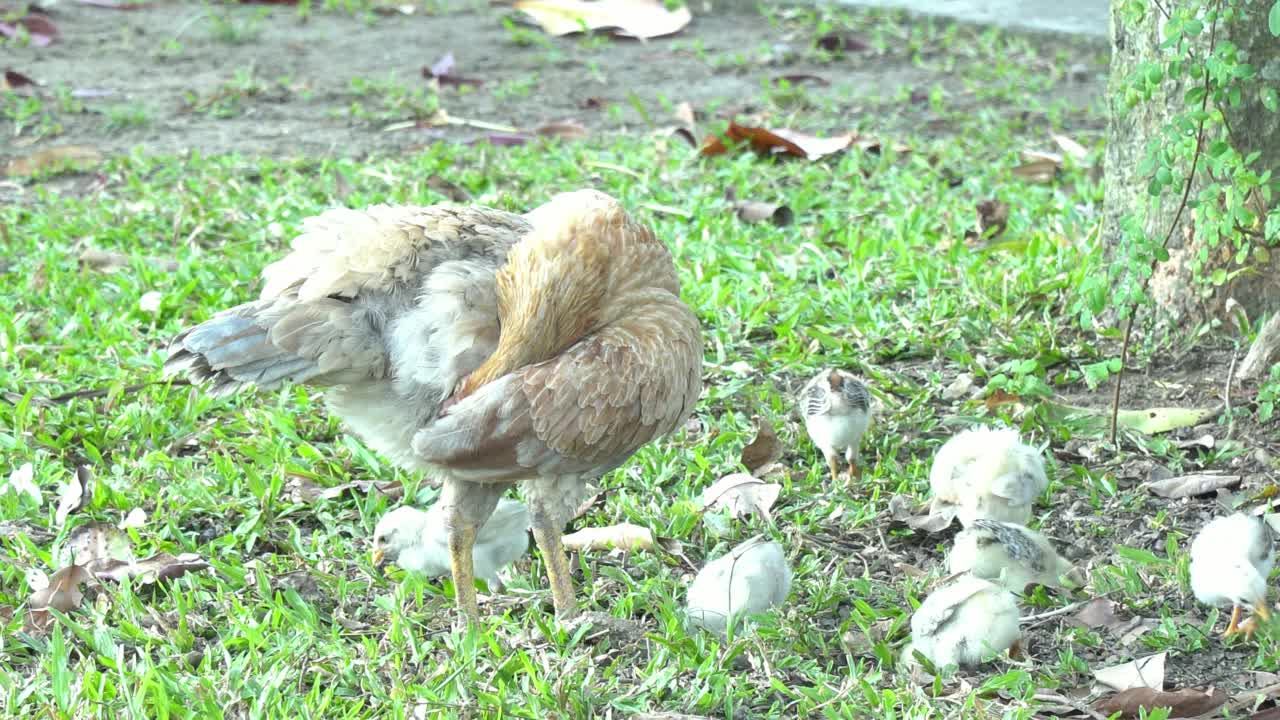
[[246, 346]]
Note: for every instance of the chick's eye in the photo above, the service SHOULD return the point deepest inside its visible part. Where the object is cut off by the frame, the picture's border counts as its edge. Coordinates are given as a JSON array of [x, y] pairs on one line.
[[380, 539]]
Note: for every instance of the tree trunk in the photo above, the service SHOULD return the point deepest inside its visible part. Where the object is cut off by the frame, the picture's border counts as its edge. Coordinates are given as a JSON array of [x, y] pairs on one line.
[[1182, 299]]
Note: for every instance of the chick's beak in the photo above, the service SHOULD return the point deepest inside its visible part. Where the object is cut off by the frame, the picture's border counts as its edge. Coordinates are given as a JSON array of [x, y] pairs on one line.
[[1261, 610], [379, 555]]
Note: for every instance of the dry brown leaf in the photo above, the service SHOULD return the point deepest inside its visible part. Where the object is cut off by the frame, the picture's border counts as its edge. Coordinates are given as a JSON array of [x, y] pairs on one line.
[[777, 142], [108, 262], [743, 494], [62, 594], [930, 517], [993, 216], [162, 566], [563, 129], [1185, 703], [1144, 672], [74, 495], [39, 28], [1040, 170], [764, 449], [754, 212], [449, 189], [298, 489], [1191, 485], [91, 544], [999, 397], [633, 18], [625, 536], [1097, 613], [841, 42], [15, 82], [75, 157]]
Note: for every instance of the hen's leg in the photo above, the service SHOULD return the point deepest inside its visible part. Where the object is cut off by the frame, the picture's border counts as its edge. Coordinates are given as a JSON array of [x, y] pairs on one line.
[[547, 502], [467, 507], [833, 464]]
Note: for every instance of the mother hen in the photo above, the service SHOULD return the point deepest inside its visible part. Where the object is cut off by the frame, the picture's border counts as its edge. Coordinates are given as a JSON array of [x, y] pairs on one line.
[[486, 347]]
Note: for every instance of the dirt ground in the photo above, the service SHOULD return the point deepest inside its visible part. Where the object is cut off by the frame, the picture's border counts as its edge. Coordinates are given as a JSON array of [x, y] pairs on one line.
[[260, 79]]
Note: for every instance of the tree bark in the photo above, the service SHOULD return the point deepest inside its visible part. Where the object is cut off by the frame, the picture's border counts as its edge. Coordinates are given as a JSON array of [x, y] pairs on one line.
[[1179, 296]]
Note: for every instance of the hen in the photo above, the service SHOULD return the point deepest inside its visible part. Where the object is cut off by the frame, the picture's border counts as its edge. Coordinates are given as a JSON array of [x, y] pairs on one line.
[[485, 347], [837, 411]]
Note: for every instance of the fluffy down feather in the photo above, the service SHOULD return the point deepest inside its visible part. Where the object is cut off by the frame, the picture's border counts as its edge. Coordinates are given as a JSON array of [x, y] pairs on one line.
[[749, 579], [1231, 559], [837, 411], [1007, 554], [987, 473], [964, 623], [418, 541]]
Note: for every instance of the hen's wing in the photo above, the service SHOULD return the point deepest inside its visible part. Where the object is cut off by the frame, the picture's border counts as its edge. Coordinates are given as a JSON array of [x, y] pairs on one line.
[[327, 310], [583, 412]]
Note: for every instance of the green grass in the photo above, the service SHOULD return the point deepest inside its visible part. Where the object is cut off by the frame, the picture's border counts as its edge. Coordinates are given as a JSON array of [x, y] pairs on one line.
[[293, 620]]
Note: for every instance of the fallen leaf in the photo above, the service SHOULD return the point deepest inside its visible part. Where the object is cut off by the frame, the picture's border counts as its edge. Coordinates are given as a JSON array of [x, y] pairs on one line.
[[1000, 396], [301, 490], [15, 82], [936, 521], [625, 536], [1071, 147], [1097, 613], [633, 18], [449, 189], [743, 494], [1144, 672], [74, 495], [136, 518], [444, 72], [150, 302], [1191, 485], [96, 543], [993, 216], [115, 4], [684, 113], [1130, 631], [74, 157], [959, 387], [39, 28], [162, 566], [563, 129], [754, 212], [63, 594], [779, 141], [1038, 167], [764, 449], [801, 79], [1152, 421], [1205, 441], [502, 139], [595, 501], [841, 42], [22, 482], [1185, 703]]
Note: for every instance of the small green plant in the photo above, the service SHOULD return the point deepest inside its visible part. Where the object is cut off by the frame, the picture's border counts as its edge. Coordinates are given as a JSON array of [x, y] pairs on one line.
[[235, 28], [124, 117], [1269, 396]]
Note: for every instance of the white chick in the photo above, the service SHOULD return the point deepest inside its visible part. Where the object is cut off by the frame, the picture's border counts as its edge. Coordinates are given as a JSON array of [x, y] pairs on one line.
[[837, 411], [419, 541], [964, 623], [749, 579], [987, 473], [1230, 561], [1007, 554]]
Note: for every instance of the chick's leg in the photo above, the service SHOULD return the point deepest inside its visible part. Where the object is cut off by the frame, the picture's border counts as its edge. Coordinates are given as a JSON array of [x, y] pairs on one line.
[[855, 469], [833, 464], [1234, 626]]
